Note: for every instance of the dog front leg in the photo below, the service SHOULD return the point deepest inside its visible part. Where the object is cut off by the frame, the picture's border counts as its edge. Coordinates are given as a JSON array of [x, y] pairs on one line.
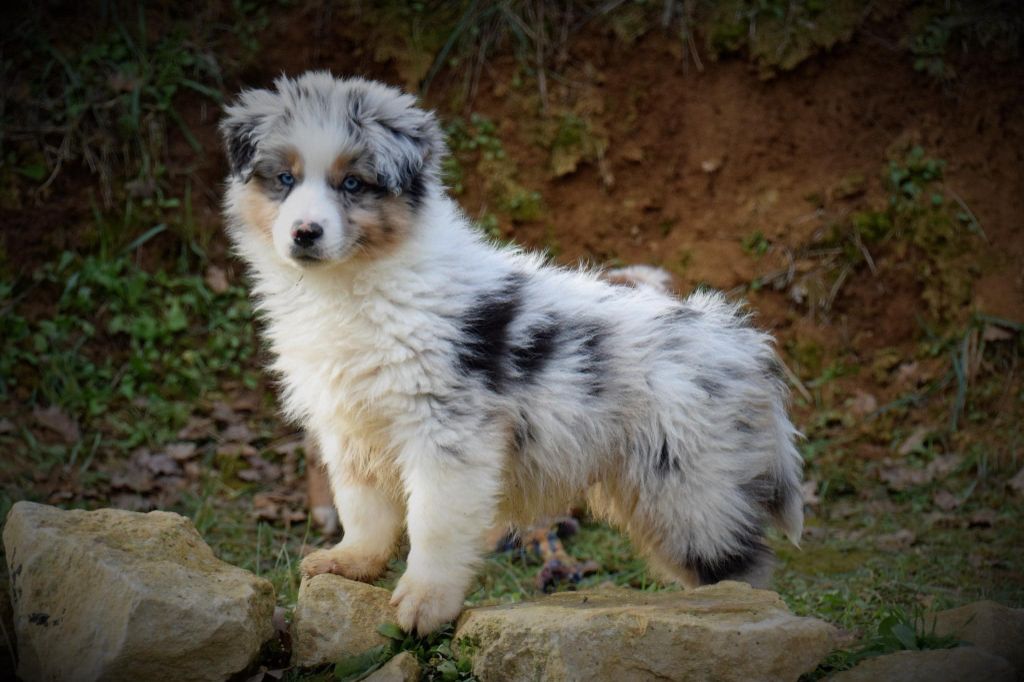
[[451, 506], [371, 520]]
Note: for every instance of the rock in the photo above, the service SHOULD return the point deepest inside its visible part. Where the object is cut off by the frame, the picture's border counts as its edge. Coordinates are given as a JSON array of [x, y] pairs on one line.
[[728, 631], [933, 665], [120, 595], [991, 627], [336, 618], [402, 668]]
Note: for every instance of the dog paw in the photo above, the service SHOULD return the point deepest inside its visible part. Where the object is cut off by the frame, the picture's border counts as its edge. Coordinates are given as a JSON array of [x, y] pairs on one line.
[[423, 605], [347, 564]]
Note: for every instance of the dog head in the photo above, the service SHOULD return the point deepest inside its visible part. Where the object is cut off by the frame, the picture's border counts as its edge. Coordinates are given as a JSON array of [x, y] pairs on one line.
[[328, 169]]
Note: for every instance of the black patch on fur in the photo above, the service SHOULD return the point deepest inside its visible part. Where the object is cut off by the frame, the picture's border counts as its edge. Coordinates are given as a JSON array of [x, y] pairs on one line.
[[416, 191], [714, 389], [665, 462], [744, 426], [683, 314], [765, 492], [737, 564], [522, 434], [591, 337], [530, 358], [772, 369], [485, 342], [239, 138]]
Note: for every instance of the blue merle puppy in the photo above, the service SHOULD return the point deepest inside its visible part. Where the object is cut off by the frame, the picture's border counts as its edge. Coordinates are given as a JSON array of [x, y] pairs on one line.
[[454, 384]]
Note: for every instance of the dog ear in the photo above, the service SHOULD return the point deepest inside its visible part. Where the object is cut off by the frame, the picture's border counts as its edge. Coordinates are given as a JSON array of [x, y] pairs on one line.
[[406, 141], [242, 128]]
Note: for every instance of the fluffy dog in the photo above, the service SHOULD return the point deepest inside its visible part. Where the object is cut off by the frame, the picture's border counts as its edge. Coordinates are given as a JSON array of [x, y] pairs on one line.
[[454, 385]]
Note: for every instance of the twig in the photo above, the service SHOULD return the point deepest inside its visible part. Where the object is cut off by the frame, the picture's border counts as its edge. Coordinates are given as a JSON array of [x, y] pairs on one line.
[[795, 381], [967, 209], [867, 254], [843, 274]]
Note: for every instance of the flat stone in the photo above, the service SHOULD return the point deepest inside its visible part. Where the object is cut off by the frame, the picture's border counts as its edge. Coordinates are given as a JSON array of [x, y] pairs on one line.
[[336, 618], [728, 631], [402, 668], [963, 664], [119, 595], [991, 627]]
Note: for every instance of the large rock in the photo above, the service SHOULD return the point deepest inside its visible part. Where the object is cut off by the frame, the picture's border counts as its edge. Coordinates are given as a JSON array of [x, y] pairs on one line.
[[963, 664], [992, 627], [727, 631], [336, 618], [118, 595]]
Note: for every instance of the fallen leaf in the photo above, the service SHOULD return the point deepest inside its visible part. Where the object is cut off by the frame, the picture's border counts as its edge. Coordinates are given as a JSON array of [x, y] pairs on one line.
[[945, 500], [59, 422], [907, 373], [809, 490], [135, 479], [131, 502], [216, 279], [1016, 484], [247, 402], [239, 433], [901, 477], [236, 450], [862, 404], [250, 475], [942, 466], [197, 428], [994, 332], [914, 441], [712, 165], [223, 412], [983, 518], [181, 451], [162, 465], [893, 542]]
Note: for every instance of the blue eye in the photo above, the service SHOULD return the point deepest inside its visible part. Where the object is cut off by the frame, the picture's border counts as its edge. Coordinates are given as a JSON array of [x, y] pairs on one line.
[[286, 179], [351, 184]]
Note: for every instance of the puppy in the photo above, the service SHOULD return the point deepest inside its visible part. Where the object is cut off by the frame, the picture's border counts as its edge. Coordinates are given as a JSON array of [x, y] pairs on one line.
[[454, 385]]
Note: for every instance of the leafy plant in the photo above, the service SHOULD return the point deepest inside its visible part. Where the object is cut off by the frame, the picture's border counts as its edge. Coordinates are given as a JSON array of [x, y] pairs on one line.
[[434, 652]]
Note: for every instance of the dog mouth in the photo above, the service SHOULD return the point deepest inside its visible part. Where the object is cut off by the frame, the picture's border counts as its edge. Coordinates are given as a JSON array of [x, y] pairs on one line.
[[306, 256]]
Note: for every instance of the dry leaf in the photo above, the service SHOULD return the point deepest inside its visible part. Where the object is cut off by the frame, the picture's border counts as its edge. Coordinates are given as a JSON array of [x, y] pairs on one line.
[[239, 433], [914, 441], [223, 412], [162, 465], [197, 428], [862, 404], [993, 332], [809, 489], [216, 279], [56, 420], [945, 500], [893, 542], [181, 451], [236, 450], [983, 518], [1016, 484]]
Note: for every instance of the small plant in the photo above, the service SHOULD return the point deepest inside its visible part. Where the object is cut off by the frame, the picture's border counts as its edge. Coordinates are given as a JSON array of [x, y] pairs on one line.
[[434, 652], [756, 244]]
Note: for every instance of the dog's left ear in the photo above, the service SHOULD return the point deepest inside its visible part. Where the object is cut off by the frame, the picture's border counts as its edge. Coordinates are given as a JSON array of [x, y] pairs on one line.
[[242, 128], [407, 142]]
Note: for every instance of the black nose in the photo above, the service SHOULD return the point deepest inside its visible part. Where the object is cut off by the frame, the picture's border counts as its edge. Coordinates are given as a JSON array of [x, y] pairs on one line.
[[306, 234]]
